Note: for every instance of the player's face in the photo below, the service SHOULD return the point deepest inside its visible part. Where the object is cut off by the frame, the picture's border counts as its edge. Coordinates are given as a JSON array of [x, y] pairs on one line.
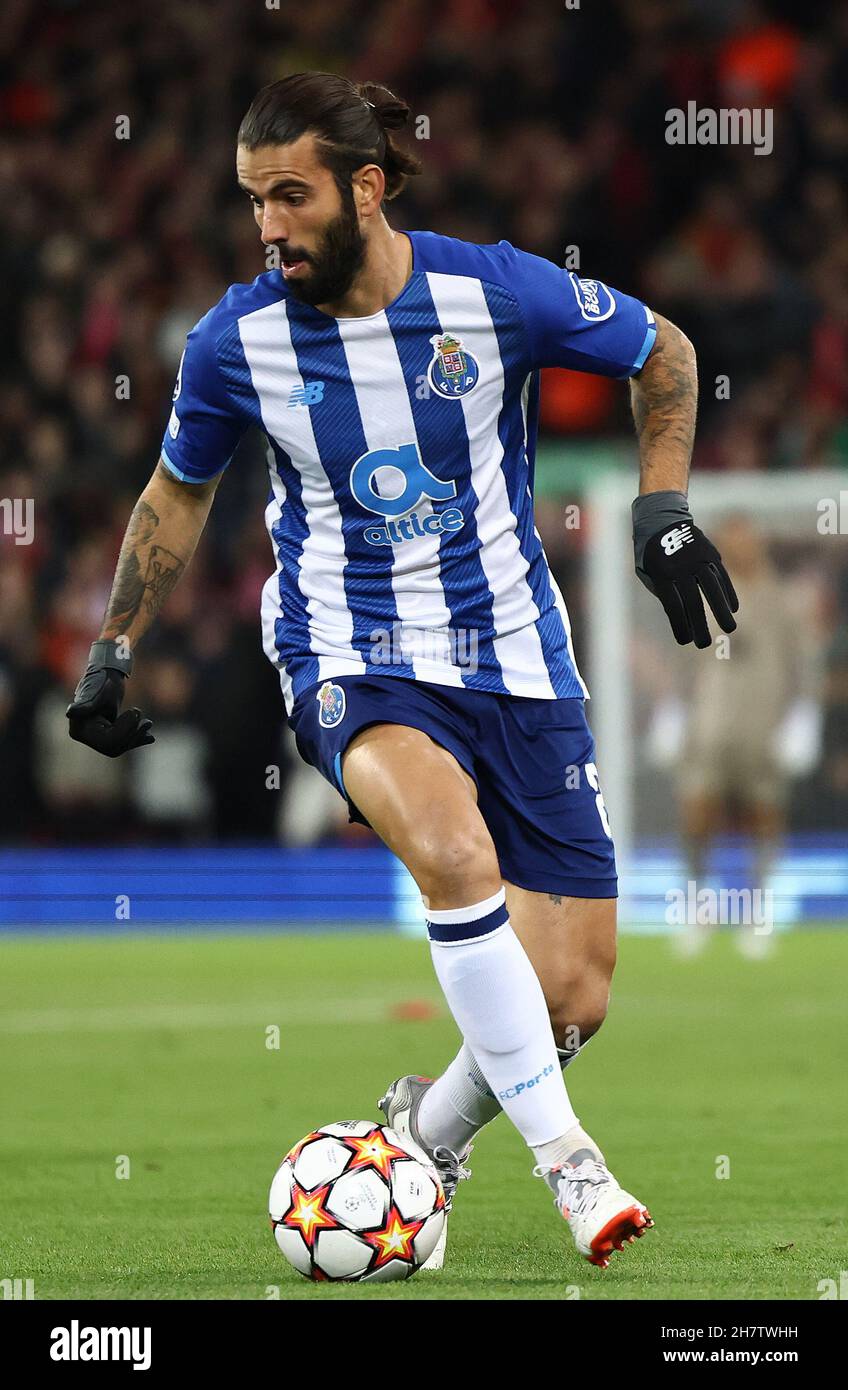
[[299, 208]]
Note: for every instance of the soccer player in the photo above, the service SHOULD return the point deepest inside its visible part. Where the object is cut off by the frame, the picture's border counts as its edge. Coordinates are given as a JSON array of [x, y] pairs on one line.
[[423, 646]]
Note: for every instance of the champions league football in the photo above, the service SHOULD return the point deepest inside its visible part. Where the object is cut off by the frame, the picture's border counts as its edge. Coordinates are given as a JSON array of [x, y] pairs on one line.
[[353, 1201]]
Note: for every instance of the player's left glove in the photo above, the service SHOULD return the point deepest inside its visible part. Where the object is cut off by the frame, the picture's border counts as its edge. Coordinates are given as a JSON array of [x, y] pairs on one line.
[[677, 563]]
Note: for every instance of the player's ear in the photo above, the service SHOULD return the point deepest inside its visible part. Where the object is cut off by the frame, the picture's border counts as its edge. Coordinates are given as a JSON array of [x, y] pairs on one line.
[[369, 186]]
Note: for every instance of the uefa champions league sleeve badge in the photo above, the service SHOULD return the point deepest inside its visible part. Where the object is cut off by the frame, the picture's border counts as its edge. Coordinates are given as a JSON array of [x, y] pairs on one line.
[[453, 371], [331, 699]]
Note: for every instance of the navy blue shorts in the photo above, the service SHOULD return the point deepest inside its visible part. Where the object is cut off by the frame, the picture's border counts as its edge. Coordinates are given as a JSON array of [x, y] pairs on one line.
[[533, 762]]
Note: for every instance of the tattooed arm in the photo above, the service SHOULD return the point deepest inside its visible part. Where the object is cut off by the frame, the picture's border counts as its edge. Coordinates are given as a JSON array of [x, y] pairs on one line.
[[162, 535], [664, 397], [674, 559]]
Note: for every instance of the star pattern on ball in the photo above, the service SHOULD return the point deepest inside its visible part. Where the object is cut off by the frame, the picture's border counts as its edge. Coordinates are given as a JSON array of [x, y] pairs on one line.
[[394, 1239], [294, 1153], [308, 1213], [373, 1150]]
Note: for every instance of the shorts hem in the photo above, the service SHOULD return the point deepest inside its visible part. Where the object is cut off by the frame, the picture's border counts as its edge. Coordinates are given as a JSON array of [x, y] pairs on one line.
[[566, 884]]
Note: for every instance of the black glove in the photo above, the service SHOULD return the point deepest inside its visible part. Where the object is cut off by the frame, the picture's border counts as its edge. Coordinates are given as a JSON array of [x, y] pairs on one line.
[[93, 713], [676, 563]]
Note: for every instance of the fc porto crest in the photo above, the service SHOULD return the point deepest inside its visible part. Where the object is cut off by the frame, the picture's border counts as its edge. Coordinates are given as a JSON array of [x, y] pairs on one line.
[[331, 698], [453, 372]]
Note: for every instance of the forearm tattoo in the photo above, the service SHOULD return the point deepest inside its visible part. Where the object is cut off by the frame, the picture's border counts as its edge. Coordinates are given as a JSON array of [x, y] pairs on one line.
[[145, 576], [664, 398]]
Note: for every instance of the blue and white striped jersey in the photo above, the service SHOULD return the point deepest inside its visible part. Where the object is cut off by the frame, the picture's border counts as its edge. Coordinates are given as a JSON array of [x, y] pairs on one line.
[[401, 455]]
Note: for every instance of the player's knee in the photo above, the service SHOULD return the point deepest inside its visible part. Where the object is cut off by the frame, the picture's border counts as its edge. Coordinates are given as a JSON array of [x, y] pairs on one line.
[[455, 867]]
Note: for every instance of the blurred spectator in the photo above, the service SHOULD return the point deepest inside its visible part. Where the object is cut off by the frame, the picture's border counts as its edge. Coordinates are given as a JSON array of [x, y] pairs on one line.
[[168, 789]]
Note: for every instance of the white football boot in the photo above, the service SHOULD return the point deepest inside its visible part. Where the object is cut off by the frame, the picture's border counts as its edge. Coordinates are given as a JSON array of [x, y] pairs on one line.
[[602, 1216], [400, 1105]]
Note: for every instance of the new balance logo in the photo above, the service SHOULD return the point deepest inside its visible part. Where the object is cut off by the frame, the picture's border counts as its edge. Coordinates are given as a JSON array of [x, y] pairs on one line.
[[309, 394], [675, 540]]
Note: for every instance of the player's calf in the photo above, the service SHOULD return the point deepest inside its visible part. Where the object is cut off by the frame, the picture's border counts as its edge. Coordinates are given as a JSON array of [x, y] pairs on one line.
[[461, 1102], [576, 1018]]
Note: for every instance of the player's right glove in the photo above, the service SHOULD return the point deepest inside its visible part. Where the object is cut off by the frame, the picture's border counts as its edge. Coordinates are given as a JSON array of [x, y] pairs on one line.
[[677, 563], [93, 712]]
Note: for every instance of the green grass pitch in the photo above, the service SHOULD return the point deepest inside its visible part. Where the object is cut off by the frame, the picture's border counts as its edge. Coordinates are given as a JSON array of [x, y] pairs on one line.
[[154, 1048]]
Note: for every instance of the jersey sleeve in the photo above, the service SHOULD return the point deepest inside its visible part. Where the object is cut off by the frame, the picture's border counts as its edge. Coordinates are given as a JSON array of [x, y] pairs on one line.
[[204, 427], [573, 321]]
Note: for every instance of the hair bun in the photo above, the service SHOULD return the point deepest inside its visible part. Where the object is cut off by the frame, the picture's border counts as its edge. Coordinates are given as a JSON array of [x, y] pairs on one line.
[[390, 111]]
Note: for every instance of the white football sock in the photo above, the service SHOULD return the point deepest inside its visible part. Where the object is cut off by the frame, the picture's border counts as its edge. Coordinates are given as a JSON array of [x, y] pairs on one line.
[[457, 1105], [573, 1147], [495, 997], [459, 1102]]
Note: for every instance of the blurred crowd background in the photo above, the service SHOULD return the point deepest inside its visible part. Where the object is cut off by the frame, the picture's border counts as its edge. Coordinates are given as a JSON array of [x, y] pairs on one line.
[[546, 126]]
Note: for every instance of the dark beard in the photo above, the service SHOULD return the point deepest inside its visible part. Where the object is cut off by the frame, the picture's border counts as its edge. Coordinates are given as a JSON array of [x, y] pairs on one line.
[[334, 266]]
